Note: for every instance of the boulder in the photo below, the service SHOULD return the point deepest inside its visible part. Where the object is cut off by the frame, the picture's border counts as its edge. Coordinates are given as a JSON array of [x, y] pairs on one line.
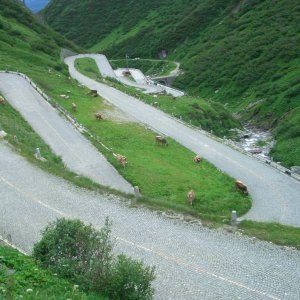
[[255, 151], [3, 134]]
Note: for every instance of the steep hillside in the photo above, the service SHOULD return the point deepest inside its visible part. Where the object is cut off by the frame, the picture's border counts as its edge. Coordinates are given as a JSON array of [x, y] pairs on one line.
[[241, 52], [26, 45], [99, 18]]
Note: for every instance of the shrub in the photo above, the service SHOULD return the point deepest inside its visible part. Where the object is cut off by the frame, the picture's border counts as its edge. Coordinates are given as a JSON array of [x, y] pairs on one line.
[[69, 247], [130, 280], [83, 255]]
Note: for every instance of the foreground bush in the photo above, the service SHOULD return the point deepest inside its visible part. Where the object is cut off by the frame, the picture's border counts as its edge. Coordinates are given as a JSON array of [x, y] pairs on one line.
[[130, 279], [84, 255]]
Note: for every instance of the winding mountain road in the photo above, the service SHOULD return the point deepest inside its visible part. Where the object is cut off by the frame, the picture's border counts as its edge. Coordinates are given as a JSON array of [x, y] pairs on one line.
[[192, 262], [78, 154], [107, 71], [276, 196]]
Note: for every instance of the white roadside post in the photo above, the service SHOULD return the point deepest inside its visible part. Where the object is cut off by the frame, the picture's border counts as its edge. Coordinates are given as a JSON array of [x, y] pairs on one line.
[[233, 218], [38, 153]]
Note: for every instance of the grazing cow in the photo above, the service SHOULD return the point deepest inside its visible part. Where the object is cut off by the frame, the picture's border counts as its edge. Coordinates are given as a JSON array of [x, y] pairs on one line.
[[241, 186], [2, 101], [197, 158], [121, 159], [191, 197], [74, 107], [93, 93], [98, 116], [161, 140]]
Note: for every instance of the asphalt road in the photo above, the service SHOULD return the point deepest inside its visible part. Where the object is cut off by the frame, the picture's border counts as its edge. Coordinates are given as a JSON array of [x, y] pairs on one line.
[[192, 262], [107, 71], [78, 154], [276, 196]]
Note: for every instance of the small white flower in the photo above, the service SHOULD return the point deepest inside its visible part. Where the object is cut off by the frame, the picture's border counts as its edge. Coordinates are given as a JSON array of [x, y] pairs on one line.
[[29, 290]]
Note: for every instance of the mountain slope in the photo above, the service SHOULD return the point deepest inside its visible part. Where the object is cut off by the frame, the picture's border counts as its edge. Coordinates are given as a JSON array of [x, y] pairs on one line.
[[25, 44], [243, 53]]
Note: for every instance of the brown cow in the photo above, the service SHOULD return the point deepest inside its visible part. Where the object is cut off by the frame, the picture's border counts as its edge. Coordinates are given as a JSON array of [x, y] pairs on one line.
[[121, 159], [191, 197], [197, 158], [98, 116], [93, 93], [2, 101], [74, 107], [241, 186], [161, 140]]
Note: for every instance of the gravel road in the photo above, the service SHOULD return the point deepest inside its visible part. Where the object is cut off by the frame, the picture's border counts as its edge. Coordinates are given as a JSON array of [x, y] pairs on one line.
[[276, 196], [192, 262], [77, 152]]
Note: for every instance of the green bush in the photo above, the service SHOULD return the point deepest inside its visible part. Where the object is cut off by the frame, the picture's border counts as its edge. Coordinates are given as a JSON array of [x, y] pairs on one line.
[[70, 249], [130, 280], [83, 255]]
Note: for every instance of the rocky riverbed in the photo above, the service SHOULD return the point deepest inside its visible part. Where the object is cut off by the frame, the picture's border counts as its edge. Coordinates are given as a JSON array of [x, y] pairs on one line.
[[254, 141]]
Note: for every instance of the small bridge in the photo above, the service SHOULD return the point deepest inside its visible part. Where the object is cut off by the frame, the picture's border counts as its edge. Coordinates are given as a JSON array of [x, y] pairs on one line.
[[164, 80]]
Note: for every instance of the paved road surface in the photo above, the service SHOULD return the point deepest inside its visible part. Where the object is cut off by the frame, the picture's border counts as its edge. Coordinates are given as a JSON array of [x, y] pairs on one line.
[[192, 262], [107, 71], [77, 152], [276, 197], [137, 75]]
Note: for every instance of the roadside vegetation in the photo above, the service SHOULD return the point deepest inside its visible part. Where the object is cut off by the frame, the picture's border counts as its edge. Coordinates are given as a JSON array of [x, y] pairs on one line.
[[272, 232], [22, 278], [74, 261], [84, 256], [154, 68]]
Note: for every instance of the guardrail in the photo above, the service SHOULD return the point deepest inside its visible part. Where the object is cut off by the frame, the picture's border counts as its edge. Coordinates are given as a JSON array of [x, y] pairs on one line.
[[82, 129]]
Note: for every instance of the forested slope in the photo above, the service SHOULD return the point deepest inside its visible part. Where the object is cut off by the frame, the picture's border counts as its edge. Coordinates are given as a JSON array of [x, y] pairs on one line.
[[241, 52]]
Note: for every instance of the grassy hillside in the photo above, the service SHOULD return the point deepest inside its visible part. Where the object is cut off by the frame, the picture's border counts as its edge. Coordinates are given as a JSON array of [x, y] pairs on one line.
[[25, 44], [160, 186], [243, 53], [210, 116]]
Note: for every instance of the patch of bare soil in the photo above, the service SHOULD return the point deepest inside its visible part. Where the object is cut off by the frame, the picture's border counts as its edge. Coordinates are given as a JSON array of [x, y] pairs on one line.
[[110, 112]]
